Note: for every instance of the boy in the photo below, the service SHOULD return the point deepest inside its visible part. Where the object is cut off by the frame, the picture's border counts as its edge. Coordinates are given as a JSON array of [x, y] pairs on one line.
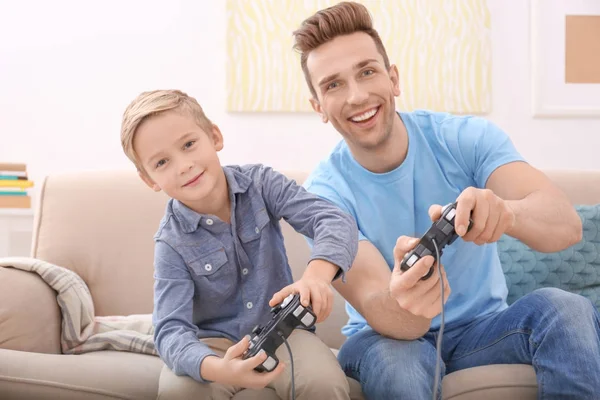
[[220, 256]]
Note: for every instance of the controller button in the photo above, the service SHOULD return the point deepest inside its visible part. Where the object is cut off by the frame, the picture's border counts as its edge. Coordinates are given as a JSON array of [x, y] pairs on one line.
[[256, 330], [287, 300], [412, 260], [269, 364], [308, 320], [447, 228], [298, 311], [451, 214]]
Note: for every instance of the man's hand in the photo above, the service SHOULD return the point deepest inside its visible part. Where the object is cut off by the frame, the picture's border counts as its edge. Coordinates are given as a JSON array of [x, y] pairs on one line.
[[233, 370], [491, 215], [419, 297], [314, 288]]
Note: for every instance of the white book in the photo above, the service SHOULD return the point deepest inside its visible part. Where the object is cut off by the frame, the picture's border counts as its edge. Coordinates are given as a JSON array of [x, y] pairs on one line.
[[14, 173]]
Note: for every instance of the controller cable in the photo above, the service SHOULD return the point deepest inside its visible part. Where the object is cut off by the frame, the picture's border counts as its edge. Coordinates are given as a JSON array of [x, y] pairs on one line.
[[438, 344], [291, 362]]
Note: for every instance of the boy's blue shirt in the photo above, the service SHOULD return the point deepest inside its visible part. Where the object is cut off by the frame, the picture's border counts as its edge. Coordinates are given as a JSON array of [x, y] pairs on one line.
[[446, 154], [214, 279]]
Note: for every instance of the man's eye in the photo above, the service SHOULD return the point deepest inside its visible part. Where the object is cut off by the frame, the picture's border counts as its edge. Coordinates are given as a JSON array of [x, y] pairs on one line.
[[189, 144], [332, 85], [160, 163], [368, 72]]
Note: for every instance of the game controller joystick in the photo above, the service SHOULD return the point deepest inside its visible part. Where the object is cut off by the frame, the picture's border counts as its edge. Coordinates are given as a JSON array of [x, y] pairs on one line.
[[442, 232], [286, 317]]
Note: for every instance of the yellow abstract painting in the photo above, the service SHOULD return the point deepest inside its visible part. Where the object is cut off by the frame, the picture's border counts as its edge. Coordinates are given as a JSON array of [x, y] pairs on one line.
[[442, 49]]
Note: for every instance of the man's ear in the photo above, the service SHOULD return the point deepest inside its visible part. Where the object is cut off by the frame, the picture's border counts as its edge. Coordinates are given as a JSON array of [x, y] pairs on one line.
[[217, 137], [395, 78], [318, 109], [144, 176]]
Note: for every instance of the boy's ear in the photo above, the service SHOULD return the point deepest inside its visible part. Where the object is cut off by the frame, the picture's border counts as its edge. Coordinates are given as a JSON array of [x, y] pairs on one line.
[[318, 109], [395, 78], [216, 137], [144, 176]]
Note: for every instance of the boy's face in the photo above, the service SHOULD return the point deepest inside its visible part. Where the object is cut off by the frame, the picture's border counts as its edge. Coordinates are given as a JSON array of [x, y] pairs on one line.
[[354, 90], [178, 156]]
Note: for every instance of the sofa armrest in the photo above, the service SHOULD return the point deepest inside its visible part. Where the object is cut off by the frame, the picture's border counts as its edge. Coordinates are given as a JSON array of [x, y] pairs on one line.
[[30, 318]]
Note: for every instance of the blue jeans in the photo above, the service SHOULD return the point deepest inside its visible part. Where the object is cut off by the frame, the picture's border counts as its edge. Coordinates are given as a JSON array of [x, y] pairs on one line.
[[555, 331]]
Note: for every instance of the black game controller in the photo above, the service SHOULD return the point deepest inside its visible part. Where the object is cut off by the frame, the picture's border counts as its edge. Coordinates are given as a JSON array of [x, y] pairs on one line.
[[286, 316], [442, 231]]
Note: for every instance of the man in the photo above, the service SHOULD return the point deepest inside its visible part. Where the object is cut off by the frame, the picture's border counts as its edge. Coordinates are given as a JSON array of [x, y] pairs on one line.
[[393, 172]]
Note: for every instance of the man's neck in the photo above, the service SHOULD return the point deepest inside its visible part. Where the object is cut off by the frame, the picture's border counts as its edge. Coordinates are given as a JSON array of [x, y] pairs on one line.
[[389, 154], [217, 203]]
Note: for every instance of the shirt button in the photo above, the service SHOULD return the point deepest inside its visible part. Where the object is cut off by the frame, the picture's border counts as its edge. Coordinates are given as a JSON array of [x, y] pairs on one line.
[[209, 221], [256, 229], [249, 305], [208, 267], [245, 271]]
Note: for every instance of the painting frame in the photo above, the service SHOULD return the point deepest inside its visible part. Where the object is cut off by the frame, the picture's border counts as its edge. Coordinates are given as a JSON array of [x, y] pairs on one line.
[[552, 97]]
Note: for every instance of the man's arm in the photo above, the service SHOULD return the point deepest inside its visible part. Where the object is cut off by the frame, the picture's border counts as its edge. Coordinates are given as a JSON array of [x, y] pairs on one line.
[[545, 220], [367, 289]]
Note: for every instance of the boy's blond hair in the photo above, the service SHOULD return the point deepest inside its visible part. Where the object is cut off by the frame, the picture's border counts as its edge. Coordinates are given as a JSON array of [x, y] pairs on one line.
[[155, 102]]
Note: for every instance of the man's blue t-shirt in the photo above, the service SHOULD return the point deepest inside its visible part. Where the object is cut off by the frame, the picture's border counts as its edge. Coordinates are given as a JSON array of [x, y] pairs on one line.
[[446, 154]]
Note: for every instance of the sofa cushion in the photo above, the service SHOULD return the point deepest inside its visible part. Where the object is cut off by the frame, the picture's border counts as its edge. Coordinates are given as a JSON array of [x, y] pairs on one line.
[[575, 269], [491, 382], [29, 315], [98, 375]]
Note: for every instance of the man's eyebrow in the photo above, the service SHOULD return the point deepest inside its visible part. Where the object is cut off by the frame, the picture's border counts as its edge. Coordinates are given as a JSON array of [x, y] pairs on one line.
[[328, 79], [358, 65], [364, 63]]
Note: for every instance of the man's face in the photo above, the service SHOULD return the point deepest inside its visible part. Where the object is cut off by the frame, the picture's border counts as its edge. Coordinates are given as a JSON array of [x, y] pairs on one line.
[[354, 90], [178, 156]]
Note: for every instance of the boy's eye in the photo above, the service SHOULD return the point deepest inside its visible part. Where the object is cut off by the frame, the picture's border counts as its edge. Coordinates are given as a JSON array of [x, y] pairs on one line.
[[160, 163], [189, 144]]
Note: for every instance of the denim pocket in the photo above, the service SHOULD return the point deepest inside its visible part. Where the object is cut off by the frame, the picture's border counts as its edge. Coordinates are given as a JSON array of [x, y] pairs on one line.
[[252, 230], [214, 277]]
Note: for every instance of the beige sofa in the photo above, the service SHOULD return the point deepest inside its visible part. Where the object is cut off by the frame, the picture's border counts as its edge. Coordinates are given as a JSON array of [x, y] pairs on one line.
[[100, 225]]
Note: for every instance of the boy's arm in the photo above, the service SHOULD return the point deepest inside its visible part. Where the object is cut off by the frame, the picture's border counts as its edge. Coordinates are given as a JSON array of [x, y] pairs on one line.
[[333, 231], [175, 335]]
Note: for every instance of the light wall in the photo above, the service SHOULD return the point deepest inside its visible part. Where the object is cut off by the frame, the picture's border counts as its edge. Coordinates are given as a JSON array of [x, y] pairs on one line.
[[68, 68]]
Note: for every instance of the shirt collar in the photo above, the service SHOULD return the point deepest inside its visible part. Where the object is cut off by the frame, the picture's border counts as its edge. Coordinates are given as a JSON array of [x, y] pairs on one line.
[[237, 182]]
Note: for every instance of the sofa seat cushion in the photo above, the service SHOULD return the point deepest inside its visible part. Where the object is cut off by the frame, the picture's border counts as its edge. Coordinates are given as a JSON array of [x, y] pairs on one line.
[[99, 375], [575, 269], [492, 382]]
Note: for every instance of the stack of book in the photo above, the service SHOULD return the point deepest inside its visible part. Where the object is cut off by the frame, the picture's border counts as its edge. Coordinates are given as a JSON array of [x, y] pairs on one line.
[[14, 183]]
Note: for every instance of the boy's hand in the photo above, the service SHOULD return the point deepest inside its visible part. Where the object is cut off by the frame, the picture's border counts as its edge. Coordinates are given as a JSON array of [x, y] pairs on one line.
[[314, 288], [233, 370]]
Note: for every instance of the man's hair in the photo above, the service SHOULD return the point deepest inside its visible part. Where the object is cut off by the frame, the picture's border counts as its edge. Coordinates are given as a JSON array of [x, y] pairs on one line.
[[152, 103], [325, 25]]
